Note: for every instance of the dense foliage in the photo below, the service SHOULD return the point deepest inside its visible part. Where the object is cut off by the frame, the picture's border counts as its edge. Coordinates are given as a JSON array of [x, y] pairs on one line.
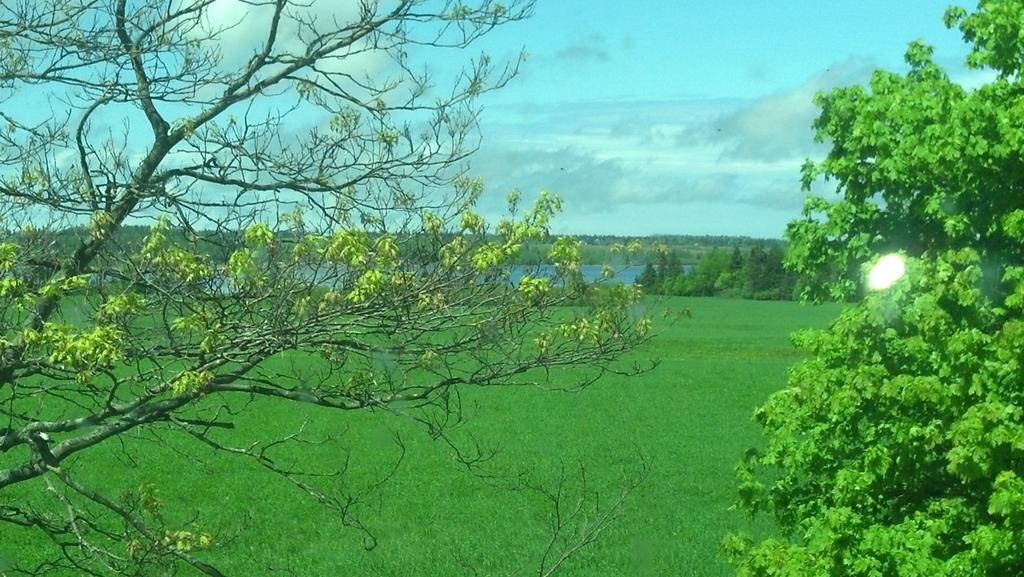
[[754, 273], [897, 449]]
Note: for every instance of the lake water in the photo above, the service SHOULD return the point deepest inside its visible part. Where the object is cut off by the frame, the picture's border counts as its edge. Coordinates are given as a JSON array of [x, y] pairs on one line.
[[591, 272]]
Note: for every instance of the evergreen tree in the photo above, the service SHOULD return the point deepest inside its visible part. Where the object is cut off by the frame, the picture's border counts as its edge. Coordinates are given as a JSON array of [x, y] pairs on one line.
[[649, 278]]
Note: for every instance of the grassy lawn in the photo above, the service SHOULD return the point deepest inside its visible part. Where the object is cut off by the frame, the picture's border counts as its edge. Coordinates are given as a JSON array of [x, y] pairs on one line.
[[690, 417]]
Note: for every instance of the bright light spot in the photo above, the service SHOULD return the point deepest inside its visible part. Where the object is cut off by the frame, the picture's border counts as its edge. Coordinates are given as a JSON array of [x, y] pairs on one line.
[[889, 269]]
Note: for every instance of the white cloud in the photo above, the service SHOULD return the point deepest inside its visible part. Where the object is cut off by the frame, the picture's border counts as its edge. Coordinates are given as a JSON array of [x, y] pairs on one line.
[[778, 126], [242, 26], [687, 166], [241, 29]]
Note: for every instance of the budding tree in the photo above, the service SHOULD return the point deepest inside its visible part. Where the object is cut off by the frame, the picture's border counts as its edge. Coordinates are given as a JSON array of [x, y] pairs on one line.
[[194, 190]]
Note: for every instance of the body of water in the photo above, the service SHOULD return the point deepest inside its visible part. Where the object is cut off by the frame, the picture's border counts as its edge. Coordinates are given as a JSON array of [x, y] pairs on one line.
[[591, 272]]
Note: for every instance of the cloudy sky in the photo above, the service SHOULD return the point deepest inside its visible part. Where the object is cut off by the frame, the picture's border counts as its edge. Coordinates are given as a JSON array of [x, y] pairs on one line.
[[684, 116], [645, 116]]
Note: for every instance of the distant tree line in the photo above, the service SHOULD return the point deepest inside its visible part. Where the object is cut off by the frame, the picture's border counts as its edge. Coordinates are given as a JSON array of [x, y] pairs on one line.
[[755, 272], [694, 240], [725, 266]]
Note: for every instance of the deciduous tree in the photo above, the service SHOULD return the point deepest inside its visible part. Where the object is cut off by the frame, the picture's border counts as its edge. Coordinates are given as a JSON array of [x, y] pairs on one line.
[[897, 449], [312, 240]]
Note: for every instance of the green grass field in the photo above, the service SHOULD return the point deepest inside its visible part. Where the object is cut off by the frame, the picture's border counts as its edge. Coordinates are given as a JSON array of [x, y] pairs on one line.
[[690, 417]]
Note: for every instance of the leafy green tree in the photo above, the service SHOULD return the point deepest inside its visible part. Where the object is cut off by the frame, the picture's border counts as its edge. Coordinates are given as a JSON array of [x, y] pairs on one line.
[[897, 449], [311, 238], [707, 276], [679, 286]]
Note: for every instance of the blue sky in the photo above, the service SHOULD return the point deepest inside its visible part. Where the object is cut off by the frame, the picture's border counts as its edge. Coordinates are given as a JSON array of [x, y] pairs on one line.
[[645, 116], [684, 117]]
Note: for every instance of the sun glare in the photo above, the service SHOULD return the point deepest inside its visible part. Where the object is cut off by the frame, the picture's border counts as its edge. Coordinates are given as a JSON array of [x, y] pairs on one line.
[[889, 269]]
